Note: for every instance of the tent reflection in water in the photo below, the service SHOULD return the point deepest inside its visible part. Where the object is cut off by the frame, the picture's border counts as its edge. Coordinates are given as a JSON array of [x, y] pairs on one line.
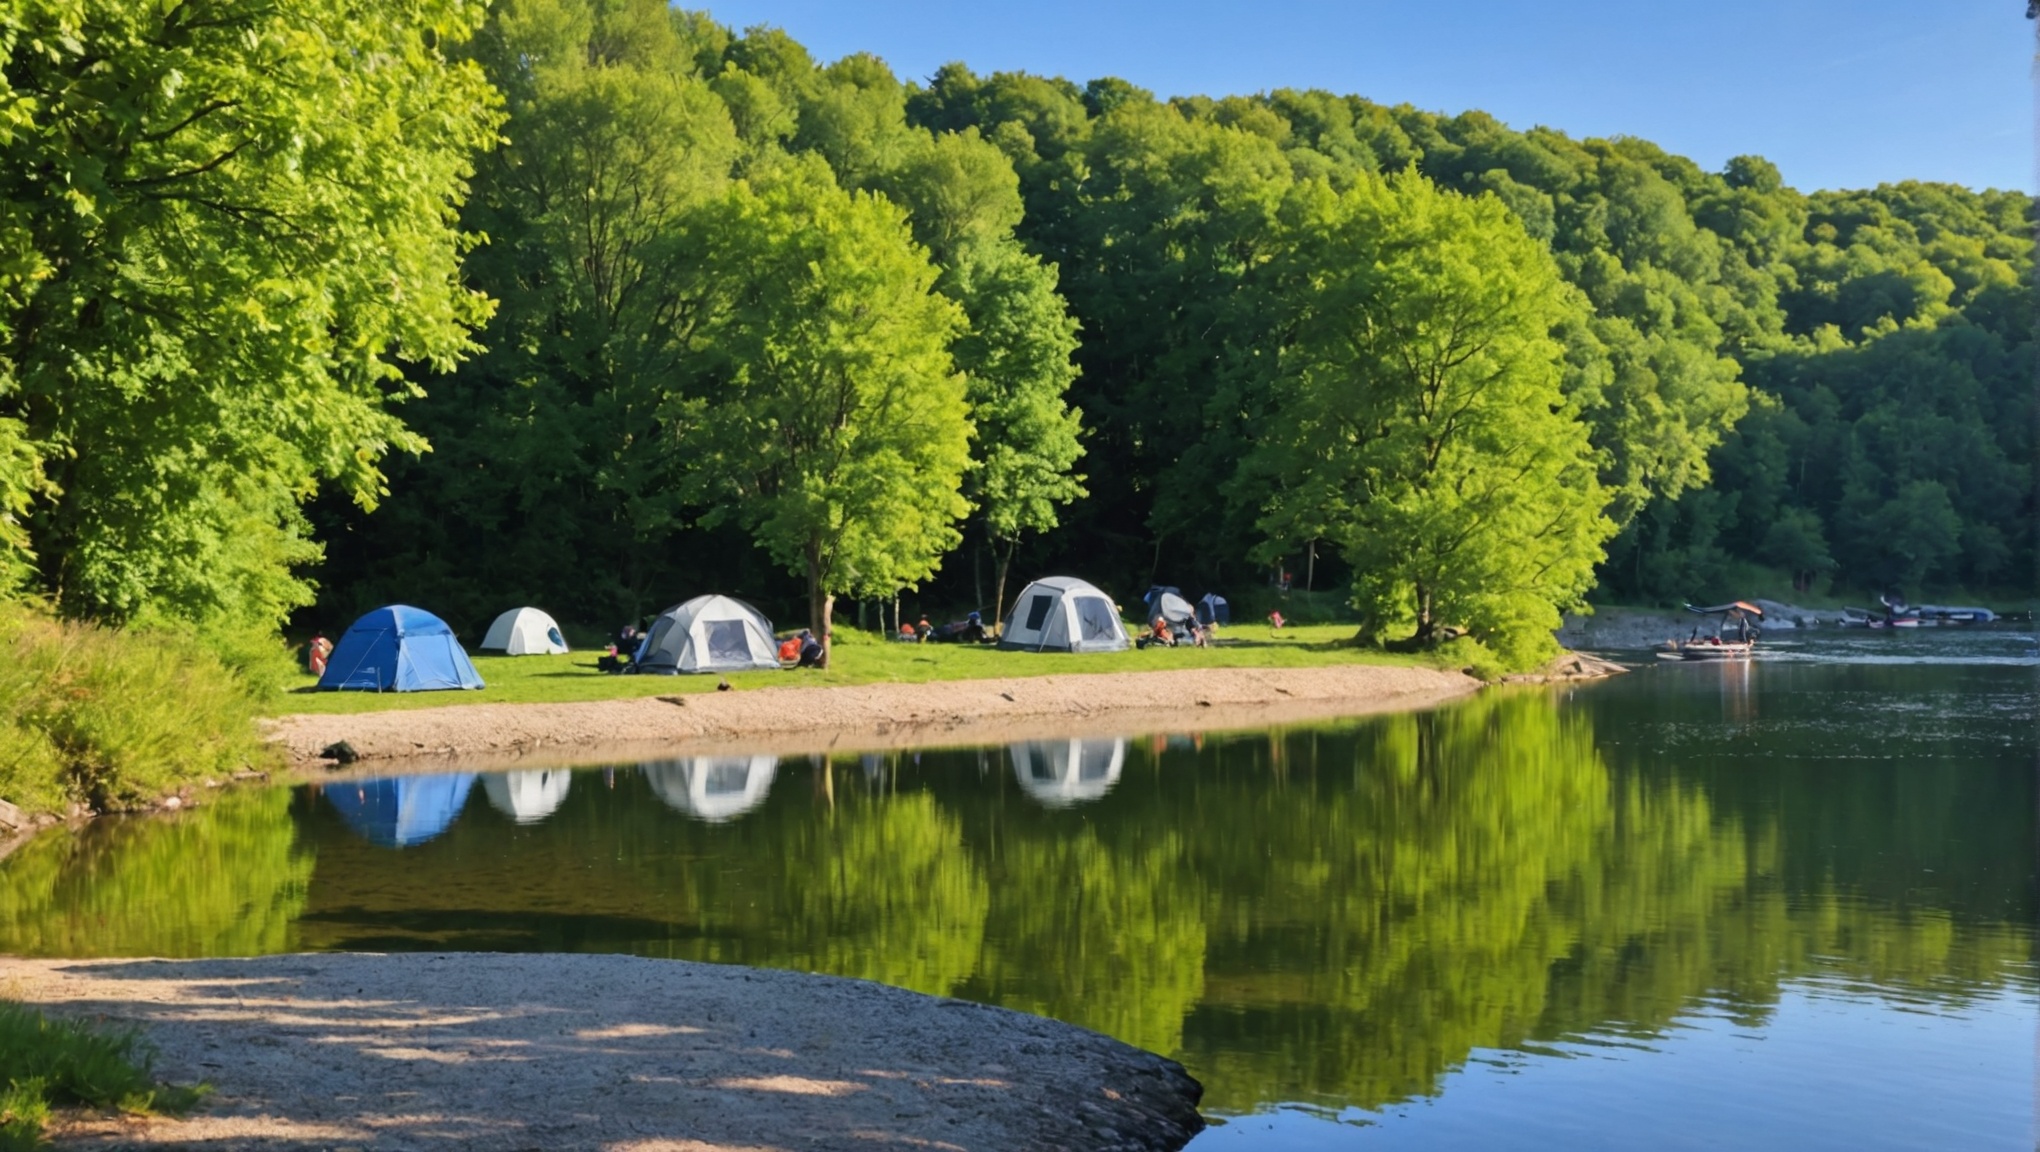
[[1063, 614], [712, 788], [402, 811], [527, 797], [1058, 773]]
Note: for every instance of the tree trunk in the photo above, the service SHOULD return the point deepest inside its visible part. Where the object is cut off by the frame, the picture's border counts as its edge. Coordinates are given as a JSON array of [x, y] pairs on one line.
[[1427, 626], [1310, 570], [1005, 566], [977, 576], [820, 605]]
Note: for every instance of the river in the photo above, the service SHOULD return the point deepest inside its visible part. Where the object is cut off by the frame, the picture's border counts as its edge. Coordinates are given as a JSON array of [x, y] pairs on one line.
[[1783, 904]]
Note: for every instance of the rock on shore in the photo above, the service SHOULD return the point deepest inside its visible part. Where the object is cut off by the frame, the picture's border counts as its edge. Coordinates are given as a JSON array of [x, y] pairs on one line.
[[501, 1052]]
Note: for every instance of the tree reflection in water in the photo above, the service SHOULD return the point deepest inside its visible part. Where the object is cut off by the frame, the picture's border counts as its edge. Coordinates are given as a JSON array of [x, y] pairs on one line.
[[1339, 914]]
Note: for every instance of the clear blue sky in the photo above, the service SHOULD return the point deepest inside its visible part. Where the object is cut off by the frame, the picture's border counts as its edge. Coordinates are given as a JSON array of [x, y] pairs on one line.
[[1838, 93]]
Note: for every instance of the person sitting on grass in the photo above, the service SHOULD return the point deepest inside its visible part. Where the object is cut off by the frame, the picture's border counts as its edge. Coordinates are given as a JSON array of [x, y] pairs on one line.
[[810, 650], [972, 631], [926, 630], [1158, 633]]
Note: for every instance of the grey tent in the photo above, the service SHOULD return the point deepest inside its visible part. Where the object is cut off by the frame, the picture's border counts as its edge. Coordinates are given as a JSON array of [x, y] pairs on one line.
[[1063, 614], [708, 634], [1212, 609], [1172, 608]]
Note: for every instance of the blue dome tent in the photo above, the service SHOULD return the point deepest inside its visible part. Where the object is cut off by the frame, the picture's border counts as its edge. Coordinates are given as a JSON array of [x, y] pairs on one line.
[[399, 649], [397, 813]]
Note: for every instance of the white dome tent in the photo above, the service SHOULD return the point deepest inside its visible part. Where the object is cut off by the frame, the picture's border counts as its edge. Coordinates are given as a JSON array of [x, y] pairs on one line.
[[708, 634], [527, 797], [1059, 773], [712, 788], [1063, 614], [524, 632]]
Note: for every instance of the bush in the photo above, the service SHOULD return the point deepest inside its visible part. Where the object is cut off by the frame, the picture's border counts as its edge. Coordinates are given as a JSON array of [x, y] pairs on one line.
[[114, 718], [45, 1062]]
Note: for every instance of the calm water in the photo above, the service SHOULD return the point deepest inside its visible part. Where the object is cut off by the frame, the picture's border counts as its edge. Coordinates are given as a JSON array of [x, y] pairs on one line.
[[1784, 905]]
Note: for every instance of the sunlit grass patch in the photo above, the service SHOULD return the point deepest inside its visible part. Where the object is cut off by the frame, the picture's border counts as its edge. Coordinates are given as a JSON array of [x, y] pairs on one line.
[[46, 1063], [865, 658]]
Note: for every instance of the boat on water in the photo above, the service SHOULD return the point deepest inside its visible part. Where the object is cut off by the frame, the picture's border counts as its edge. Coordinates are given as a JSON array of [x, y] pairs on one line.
[[1744, 618], [1899, 614]]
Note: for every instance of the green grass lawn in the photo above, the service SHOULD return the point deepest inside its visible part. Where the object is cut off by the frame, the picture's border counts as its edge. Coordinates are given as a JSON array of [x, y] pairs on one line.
[[861, 658]]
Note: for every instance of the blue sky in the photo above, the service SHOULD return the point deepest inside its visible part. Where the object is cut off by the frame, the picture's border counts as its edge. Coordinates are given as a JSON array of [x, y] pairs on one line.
[[1838, 93]]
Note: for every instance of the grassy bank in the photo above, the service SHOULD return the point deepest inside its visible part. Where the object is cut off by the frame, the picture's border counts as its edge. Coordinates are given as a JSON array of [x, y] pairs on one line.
[[112, 718], [48, 1063], [861, 658]]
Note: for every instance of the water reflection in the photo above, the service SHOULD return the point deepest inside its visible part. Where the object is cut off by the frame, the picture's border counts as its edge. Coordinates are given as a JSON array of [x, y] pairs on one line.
[[527, 797], [1343, 916], [398, 812], [712, 788], [1059, 773]]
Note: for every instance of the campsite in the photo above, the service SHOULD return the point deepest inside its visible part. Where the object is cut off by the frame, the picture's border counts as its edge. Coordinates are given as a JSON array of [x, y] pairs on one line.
[[617, 576]]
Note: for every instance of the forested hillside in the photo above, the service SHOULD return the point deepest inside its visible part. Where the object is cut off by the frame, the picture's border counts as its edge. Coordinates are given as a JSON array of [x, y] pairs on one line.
[[597, 304], [1837, 386]]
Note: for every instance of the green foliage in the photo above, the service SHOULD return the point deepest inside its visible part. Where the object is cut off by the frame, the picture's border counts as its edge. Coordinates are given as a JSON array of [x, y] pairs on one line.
[[45, 1062], [829, 419], [114, 718], [1418, 419], [231, 883], [227, 226]]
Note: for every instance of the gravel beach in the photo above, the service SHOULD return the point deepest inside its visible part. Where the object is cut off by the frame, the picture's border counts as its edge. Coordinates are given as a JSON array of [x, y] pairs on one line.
[[867, 717], [497, 1052]]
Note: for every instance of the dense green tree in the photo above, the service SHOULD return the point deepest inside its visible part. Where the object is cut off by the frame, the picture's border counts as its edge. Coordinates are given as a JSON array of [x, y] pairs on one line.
[[1016, 355], [224, 226], [1420, 422], [828, 417]]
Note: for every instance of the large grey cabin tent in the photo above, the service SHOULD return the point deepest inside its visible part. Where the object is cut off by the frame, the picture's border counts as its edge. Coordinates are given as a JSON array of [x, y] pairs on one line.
[[524, 632], [708, 634], [1063, 614]]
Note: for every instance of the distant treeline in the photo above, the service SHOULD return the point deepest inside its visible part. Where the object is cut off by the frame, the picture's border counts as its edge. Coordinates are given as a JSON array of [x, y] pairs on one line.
[[677, 309]]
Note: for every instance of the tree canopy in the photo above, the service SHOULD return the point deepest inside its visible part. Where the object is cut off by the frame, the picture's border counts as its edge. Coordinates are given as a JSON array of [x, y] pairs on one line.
[[1418, 418], [292, 294]]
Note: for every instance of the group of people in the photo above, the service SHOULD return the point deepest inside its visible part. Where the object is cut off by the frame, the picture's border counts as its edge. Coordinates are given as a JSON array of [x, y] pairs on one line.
[[801, 650], [970, 630], [1187, 632]]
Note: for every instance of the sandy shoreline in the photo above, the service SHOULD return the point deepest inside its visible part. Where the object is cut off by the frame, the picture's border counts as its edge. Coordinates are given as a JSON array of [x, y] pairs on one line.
[[498, 1052], [869, 717]]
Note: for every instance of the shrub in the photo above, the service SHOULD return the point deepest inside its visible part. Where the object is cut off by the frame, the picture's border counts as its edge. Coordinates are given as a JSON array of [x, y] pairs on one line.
[[45, 1062], [114, 718]]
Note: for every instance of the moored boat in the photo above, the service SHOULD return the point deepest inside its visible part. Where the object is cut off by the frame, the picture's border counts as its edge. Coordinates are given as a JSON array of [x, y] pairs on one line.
[[1747, 620]]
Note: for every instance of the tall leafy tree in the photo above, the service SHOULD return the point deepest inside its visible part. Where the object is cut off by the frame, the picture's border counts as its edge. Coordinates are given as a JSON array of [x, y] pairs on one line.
[[1016, 355], [225, 226], [1420, 421], [828, 417]]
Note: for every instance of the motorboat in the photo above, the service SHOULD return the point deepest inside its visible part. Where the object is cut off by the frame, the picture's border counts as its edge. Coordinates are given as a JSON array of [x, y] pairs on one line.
[[1745, 618]]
